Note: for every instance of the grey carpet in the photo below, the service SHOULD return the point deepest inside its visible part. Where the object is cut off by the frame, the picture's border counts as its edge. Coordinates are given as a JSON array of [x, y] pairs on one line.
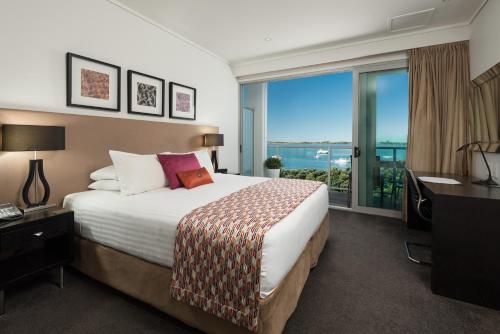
[[363, 284]]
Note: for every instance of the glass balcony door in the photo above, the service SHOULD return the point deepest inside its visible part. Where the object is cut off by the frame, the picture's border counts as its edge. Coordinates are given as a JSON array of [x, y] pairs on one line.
[[382, 122], [313, 123]]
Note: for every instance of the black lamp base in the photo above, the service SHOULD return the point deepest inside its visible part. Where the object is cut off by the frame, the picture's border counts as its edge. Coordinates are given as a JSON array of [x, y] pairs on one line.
[[35, 172], [487, 182], [214, 160]]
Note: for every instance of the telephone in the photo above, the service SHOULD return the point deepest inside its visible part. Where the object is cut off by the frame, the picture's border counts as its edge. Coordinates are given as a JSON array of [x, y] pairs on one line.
[[10, 212]]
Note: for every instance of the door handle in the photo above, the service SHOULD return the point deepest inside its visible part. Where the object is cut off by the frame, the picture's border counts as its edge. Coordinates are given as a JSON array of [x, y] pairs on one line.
[[357, 152], [38, 234]]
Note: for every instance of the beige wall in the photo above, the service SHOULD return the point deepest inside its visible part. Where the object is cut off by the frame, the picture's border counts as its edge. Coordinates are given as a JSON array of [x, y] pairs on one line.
[[88, 139]]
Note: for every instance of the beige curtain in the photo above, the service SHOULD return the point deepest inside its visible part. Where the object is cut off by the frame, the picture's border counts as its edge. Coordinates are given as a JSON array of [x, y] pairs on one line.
[[439, 109], [485, 106]]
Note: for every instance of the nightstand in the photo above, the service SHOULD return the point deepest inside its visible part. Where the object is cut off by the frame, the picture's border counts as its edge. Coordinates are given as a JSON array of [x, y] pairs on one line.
[[221, 170], [40, 241]]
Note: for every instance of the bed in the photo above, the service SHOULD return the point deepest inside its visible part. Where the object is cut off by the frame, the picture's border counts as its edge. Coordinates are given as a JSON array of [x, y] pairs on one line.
[[127, 242], [144, 225]]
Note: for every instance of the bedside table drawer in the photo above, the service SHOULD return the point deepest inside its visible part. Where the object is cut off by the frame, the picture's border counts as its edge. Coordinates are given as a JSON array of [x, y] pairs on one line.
[[21, 238]]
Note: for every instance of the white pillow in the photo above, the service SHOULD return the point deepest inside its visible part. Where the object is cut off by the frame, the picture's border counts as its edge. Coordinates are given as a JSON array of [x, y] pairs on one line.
[[205, 161], [106, 173], [138, 173], [111, 185]]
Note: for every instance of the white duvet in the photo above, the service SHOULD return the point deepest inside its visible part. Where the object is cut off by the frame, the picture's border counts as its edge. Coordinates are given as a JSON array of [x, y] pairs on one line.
[[144, 225]]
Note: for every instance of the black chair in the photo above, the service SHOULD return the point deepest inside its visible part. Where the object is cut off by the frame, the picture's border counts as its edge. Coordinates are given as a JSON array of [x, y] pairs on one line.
[[423, 207]]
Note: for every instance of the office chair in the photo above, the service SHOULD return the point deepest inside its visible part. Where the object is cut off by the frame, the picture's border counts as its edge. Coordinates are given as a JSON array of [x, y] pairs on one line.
[[423, 207]]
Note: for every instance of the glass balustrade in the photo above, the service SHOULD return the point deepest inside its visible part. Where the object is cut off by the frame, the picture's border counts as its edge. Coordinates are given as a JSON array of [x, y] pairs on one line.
[[332, 164]]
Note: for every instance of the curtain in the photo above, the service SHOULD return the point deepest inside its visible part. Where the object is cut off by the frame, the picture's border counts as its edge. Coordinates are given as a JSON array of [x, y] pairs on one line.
[[439, 108], [485, 106], [439, 84]]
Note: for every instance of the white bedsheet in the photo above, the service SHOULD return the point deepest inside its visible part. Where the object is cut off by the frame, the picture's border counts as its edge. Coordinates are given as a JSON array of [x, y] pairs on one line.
[[144, 225]]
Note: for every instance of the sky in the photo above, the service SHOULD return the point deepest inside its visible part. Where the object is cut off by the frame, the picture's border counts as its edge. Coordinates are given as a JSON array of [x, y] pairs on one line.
[[319, 108], [392, 107]]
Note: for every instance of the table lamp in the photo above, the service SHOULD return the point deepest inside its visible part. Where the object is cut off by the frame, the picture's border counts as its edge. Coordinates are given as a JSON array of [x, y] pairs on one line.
[[489, 180], [213, 140], [17, 138]]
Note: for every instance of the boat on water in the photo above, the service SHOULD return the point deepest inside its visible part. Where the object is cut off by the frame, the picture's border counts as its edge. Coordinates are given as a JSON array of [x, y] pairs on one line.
[[321, 152]]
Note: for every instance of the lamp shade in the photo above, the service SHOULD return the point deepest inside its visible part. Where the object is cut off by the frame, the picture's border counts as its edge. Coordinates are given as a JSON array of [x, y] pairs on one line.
[[214, 139], [32, 138]]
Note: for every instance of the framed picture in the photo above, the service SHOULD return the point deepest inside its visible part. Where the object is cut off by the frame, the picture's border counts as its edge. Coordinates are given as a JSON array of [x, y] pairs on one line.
[[92, 83], [182, 101], [146, 94]]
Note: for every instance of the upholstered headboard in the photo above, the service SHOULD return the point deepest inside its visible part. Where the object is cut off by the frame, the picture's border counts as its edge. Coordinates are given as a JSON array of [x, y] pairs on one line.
[[88, 139]]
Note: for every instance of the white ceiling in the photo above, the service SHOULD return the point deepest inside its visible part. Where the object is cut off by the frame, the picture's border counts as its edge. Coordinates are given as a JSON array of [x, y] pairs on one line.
[[236, 29]]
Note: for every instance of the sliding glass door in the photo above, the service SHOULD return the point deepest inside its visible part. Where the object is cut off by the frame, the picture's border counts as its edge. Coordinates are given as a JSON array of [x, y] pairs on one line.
[[347, 129], [382, 123]]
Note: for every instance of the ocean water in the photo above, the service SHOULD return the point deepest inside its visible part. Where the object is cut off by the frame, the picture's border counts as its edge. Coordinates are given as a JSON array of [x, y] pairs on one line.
[[295, 156]]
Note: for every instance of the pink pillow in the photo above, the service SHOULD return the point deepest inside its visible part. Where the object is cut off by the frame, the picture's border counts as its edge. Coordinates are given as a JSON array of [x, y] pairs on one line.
[[173, 163]]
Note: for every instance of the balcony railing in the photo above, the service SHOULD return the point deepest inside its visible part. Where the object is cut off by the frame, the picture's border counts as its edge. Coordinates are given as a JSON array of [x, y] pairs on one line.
[[332, 164]]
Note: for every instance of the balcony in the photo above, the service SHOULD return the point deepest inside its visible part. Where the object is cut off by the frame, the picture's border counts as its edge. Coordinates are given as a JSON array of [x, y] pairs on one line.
[[332, 164]]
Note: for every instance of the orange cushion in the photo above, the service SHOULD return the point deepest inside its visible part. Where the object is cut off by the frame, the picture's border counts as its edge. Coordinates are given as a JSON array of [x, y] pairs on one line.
[[194, 178]]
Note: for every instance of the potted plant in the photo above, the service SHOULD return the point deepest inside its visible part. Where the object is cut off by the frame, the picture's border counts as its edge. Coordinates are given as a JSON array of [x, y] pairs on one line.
[[272, 167]]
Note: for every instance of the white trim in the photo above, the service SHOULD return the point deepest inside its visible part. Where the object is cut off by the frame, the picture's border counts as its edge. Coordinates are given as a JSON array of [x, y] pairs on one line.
[[339, 66], [478, 10], [165, 29]]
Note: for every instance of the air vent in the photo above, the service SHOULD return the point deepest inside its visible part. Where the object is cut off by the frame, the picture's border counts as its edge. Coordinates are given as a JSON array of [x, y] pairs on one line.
[[410, 21]]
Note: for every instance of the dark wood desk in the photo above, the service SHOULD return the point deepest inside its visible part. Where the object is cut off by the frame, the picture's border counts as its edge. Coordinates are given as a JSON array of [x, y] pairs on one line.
[[465, 240]]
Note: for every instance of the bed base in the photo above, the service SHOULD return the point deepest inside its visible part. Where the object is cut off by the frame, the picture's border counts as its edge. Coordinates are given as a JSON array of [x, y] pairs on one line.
[[150, 283]]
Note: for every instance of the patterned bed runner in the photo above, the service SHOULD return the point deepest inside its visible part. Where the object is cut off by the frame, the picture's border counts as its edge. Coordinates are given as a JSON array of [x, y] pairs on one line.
[[218, 248]]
